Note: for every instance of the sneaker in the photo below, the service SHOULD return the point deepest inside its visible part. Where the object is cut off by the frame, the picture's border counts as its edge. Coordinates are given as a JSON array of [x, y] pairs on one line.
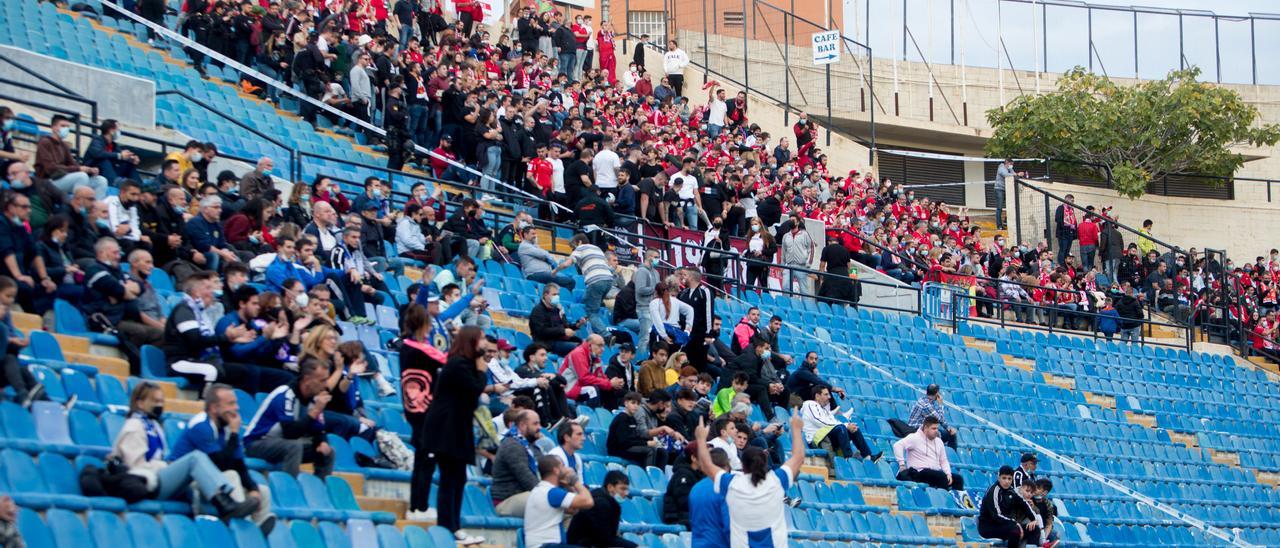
[[359, 320], [582, 420], [876, 457], [33, 395], [421, 515], [557, 425], [267, 525], [793, 502], [465, 539]]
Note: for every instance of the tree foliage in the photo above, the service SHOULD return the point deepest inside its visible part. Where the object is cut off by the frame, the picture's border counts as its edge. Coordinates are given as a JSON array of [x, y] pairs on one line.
[[1138, 133]]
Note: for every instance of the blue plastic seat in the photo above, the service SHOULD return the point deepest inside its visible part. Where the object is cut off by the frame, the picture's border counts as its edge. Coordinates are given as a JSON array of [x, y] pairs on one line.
[[417, 537], [35, 532], [181, 531], [390, 537], [317, 496], [247, 534], [144, 530], [156, 367], [304, 534], [289, 502], [69, 321], [345, 500], [334, 536]]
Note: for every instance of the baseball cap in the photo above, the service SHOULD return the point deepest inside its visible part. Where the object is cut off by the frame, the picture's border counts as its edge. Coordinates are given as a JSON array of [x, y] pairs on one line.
[[1030, 457], [505, 346]]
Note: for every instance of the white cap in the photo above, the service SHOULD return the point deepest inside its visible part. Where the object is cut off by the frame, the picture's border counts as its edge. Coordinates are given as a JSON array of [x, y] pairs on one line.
[[363, 40]]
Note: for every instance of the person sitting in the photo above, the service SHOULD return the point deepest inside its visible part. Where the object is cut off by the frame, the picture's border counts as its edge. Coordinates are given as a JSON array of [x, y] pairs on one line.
[[192, 345], [724, 432], [26, 388], [653, 372], [360, 281], [708, 511], [685, 473], [923, 459], [548, 325], [585, 379], [620, 367], [204, 231], [628, 440], [570, 439], [820, 424], [289, 427], [995, 519], [726, 396], [19, 257], [270, 336], [805, 379], [598, 526], [671, 317], [477, 314], [107, 156], [560, 490], [55, 161], [216, 434], [410, 240], [141, 446], [546, 389], [513, 477], [931, 406], [752, 364], [122, 216], [111, 299], [538, 264], [285, 267]]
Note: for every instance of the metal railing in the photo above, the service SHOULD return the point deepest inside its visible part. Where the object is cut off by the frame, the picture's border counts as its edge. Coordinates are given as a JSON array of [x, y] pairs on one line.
[[998, 308]]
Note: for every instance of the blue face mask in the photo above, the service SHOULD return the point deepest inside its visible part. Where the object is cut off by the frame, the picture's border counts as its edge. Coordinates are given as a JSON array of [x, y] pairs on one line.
[[254, 240], [377, 194], [555, 300], [64, 132], [9, 124], [755, 228], [766, 355], [102, 223], [621, 499]]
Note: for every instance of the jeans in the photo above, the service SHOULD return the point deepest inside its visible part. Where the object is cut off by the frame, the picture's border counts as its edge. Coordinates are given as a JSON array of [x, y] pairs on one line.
[[71, 181], [566, 63], [558, 279], [1111, 267], [347, 427], [194, 466], [1130, 335], [419, 122], [114, 170], [406, 32], [933, 478], [1000, 207], [645, 325], [1087, 254], [1068, 316], [290, 454], [492, 168], [580, 58], [798, 282], [690, 215], [591, 301], [713, 130], [844, 441], [1064, 247]]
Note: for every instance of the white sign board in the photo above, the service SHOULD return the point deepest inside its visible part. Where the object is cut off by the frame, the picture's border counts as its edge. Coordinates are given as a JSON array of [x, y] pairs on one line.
[[826, 47]]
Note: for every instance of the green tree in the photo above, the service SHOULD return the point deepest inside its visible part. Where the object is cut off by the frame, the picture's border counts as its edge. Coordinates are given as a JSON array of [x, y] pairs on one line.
[[1138, 133]]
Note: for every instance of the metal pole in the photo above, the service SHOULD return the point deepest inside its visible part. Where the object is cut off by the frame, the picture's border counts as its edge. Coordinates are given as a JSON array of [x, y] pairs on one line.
[[872, 84], [1090, 18], [1182, 55], [953, 32], [1253, 51], [1135, 45], [786, 62], [904, 30], [1044, 38], [706, 55], [828, 104], [1217, 49], [746, 62], [626, 28]]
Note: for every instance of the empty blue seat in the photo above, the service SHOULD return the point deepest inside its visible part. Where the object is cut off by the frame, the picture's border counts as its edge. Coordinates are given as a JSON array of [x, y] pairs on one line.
[[317, 497], [68, 320], [304, 534], [344, 500], [334, 536], [144, 530], [247, 534], [156, 367], [35, 532]]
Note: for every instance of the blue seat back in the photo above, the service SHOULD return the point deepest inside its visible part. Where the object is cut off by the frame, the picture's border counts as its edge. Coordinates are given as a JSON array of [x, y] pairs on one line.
[[86, 430], [304, 534], [106, 528], [441, 536], [153, 363], [334, 536], [181, 531], [21, 472], [33, 529], [51, 422], [52, 383], [340, 493], [390, 537], [315, 492], [144, 530], [59, 475], [214, 533], [285, 491], [111, 391], [44, 346], [247, 534], [67, 319], [78, 384], [417, 537], [68, 530]]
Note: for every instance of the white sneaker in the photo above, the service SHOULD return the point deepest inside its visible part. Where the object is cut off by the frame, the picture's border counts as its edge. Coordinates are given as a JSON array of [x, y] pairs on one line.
[[421, 515], [582, 420], [465, 539]]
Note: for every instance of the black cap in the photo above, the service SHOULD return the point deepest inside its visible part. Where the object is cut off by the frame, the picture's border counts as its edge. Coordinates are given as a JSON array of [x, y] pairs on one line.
[[627, 347], [1006, 470], [227, 175], [1029, 457], [370, 206]]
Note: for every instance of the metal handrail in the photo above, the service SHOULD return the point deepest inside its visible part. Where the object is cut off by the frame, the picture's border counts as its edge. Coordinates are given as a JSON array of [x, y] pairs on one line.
[[291, 150], [1053, 313], [48, 81], [93, 105]]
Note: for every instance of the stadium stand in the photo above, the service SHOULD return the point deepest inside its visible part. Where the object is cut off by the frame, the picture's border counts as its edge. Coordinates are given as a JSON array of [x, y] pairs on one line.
[[1144, 444]]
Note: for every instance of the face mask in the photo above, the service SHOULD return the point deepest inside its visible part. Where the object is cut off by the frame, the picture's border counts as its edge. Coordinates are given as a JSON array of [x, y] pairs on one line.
[[766, 355], [157, 412], [195, 156], [102, 223], [621, 499], [9, 124], [555, 300], [301, 300], [64, 132], [654, 263], [18, 183], [377, 194], [306, 199], [755, 228], [253, 240]]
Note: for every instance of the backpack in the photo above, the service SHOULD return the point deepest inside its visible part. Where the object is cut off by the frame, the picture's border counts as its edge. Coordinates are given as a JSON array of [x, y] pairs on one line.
[[113, 481]]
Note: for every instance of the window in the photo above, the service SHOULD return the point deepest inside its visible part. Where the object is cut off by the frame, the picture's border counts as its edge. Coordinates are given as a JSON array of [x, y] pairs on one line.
[[646, 22], [734, 19]]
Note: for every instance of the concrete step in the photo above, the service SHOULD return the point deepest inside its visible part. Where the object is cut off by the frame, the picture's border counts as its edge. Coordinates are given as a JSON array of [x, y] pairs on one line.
[[27, 322], [111, 366], [1143, 419], [1224, 457], [379, 504], [880, 496], [1020, 363], [1100, 400], [73, 344], [1066, 383], [820, 471], [356, 481], [402, 523], [413, 273], [179, 405]]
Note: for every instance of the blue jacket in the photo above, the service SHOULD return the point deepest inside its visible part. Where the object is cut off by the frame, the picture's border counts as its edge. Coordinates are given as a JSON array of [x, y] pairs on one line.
[[260, 351], [223, 448], [283, 415], [1109, 323], [204, 235], [281, 270]]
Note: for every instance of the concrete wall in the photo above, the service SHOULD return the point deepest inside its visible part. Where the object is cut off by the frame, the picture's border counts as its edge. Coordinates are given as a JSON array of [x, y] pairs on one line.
[[125, 98], [1243, 230]]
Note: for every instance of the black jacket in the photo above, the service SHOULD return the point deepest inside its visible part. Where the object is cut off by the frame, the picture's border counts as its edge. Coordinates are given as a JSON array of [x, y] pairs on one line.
[[452, 411], [703, 302], [1130, 310], [593, 210], [624, 433], [546, 325], [1112, 243], [802, 381], [183, 339], [675, 502], [597, 527], [997, 507], [466, 227], [564, 39], [748, 363]]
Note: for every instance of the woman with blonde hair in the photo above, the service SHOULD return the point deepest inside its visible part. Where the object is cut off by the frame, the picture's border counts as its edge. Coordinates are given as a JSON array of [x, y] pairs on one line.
[[141, 447], [340, 416], [298, 208]]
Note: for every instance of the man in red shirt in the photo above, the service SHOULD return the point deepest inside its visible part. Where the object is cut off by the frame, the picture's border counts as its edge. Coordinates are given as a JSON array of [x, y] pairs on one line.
[[1087, 233], [540, 171]]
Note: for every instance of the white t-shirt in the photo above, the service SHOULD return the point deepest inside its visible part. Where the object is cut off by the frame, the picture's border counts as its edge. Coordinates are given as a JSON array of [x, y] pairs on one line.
[[689, 186], [576, 464], [716, 111], [730, 449], [757, 514], [557, 175], [606, 165], [543, 514]]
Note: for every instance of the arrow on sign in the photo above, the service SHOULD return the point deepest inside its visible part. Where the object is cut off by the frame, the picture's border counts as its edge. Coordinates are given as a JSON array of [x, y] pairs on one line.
[[826, 57]]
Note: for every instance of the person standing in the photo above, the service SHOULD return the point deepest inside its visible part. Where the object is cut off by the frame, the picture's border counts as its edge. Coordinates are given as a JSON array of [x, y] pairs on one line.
[[451, 444], [420, 362], [597, 276], [703, 301], [1088, 233], [637, 55], [797, 252], [1004, 175], [608, 61], [1064, 222], [646, 280], [673, 63], [755, 497], [1111, 248]]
